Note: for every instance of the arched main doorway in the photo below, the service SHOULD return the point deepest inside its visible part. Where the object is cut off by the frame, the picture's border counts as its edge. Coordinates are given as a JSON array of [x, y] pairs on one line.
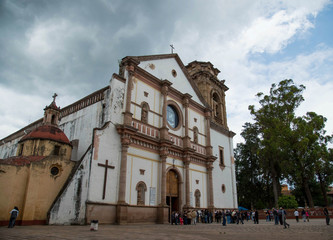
[[172, 191]]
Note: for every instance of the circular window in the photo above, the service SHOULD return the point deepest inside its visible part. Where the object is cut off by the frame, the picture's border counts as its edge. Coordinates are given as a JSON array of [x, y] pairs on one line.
[[223, 188], [174, 73], [172, 116], [54, 171]]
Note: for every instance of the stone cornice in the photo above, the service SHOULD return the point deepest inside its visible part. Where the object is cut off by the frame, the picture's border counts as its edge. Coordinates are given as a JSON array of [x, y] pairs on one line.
[[222, 130]]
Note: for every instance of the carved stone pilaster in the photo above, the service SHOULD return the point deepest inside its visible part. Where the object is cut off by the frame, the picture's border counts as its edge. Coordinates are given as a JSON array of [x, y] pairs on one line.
[[186, 104], [164, 130], [187, 181], [130, 65], [163, 156], [125, 133], [210, 184], [209, 148]]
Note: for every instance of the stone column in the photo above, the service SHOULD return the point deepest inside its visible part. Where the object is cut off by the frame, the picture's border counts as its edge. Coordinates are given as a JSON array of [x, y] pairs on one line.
[[164, 129], [121, 216], [187, 138], [210, 185], [127, 114], [163, 174], [162, 211], [123, 175], [209, 151], [187, 181]]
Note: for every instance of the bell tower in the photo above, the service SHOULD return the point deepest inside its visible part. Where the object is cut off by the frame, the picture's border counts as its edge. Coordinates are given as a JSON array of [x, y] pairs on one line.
[[51, 113], [212, 89]]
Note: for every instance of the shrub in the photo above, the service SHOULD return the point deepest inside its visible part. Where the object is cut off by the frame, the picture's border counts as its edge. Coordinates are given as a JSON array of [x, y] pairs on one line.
[[287, 202]]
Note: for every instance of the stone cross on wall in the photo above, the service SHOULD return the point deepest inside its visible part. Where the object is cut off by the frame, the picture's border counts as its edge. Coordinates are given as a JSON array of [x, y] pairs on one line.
[[106, 166]]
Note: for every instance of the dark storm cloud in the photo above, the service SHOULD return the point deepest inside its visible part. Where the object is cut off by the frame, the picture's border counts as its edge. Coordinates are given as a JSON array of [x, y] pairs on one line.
[[77, 44], [72, 47]]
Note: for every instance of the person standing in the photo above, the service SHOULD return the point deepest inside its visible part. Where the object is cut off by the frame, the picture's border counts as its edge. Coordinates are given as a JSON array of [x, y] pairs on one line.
[[194, 217], [303, 215], [267, 216], [296, 214], [228, 216], [284, 218], [13, 215], [327, 216], [280, 216], [223, 218], [276, 216], [307, 215], [256, 217]]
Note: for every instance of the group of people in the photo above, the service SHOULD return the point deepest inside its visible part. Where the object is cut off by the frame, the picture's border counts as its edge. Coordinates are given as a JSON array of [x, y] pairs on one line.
[[189, 217], [305, 215], [278, 215]]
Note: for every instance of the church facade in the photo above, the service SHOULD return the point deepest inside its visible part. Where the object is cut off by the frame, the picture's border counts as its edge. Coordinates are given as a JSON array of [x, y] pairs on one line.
[[155, 140]]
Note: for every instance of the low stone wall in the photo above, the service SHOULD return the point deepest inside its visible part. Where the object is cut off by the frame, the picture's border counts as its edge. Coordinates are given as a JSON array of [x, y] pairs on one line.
[[107, 213], [141, 214], [104, 213]]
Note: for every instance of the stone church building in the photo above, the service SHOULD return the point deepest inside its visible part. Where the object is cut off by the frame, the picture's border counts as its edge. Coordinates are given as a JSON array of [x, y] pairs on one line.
[[154, 140]]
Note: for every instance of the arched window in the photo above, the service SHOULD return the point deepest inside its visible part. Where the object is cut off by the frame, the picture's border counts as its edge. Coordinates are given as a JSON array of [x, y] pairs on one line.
[[53, 119], [197, 196], [144, 112], [216, 105], [141, 189], [221, 156], [195, 134]]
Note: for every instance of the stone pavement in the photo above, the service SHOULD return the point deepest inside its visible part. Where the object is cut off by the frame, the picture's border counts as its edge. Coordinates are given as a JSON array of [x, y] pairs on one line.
[[316, 229]]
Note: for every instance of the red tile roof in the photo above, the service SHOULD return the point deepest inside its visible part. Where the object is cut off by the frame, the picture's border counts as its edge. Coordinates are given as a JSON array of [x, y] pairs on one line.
[[47, 132]]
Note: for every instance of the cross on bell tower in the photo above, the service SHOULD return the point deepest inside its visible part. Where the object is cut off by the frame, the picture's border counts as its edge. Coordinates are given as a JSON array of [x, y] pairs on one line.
[[54, 97]]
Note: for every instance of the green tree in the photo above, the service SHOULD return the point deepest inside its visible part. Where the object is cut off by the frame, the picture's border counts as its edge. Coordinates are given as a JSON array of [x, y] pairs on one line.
[[307, 149], [288, 202], [248, 172], [273, 119], [324, 172]]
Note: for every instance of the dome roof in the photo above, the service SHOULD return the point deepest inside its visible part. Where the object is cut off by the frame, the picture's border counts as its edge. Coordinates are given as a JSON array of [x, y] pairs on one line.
[[47, 132]]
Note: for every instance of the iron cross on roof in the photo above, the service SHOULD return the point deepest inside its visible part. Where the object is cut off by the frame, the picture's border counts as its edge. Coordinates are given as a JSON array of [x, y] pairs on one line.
[[172, 48]]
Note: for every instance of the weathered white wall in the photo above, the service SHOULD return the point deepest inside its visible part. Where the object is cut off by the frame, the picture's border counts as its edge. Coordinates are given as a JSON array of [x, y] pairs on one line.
[[107, 146], [70, 206], [225, 176], [9, 149], [115, 101], [79, 125], [87, 183]]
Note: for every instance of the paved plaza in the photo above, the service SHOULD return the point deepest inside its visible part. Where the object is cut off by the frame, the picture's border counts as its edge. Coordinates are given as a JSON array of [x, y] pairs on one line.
[[316, 229]]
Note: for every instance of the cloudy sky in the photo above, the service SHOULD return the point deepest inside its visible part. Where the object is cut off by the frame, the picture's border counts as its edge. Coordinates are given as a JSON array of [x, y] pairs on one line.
[[73, 47]]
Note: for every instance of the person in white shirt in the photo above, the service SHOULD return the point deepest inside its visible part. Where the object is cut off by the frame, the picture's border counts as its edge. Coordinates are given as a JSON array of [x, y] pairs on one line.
[[296, 214]]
